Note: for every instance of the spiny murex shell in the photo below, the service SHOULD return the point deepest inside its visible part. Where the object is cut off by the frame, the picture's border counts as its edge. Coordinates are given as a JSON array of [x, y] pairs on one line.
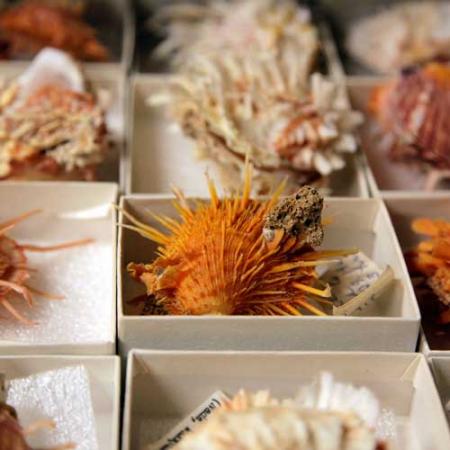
[[264, 27], [235, 106], [47, 120], [326, 414]]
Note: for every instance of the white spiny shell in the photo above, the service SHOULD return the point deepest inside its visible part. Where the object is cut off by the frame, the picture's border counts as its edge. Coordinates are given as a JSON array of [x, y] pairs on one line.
[[280, 428], [49, 123], [326, 415], [228, 104], [258, 26], [405, 34]]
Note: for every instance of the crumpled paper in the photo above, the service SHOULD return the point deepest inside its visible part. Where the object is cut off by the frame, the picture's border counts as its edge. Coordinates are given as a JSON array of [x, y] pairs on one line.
[[356, 281]]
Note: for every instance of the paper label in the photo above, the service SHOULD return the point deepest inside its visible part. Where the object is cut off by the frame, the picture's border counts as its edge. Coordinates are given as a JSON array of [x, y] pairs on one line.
[[195, 418], [355, 281]]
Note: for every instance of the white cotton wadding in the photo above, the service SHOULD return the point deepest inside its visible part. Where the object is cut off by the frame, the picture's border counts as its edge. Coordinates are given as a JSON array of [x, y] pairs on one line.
[[83, 275], [327, 394], [51, 66], [61, 395]]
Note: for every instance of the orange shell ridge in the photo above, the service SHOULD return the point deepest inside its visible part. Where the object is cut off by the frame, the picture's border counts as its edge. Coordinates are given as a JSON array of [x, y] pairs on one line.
[[219, 260], [432, 257]]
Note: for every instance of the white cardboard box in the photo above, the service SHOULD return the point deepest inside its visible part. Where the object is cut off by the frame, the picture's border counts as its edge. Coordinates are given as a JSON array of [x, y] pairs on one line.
[[159, 155], [404, 208], [104, 377], [384, 177], [440, 366], [164, 387], [70, 211], [389, 324]]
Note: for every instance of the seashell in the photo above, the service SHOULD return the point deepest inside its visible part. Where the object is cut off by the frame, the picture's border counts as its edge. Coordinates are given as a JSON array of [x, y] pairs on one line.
[[50, 127], [326, 414], [12, 435], [413, 109], [259, 27], [402, 35], [238, 256], [431, 259], [14, 270], [232, 113], [280, 428]]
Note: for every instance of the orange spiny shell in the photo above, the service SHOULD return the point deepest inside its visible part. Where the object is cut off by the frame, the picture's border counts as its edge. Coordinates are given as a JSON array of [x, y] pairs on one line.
[[12, 264], [414, 109], [432, 258], [238, 256]]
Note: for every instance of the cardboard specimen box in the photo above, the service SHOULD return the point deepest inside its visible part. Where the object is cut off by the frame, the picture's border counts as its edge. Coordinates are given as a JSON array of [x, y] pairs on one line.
[[390, 323], [163, 388], [403, 209], [161, 156], [82, 317], [441, 370], [104, 384], [384, 176]]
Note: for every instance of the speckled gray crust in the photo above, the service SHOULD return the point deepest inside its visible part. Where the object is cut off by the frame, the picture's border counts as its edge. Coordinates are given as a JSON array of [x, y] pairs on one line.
[[298, 215]]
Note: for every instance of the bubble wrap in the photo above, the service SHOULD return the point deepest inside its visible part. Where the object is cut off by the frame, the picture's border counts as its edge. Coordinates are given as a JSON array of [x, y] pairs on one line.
[[83, 275], [62, 395]]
